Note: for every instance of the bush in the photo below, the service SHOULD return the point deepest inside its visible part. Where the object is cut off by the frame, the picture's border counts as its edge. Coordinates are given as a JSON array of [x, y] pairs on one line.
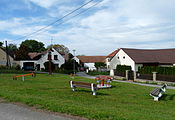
[[160, 70], [98, 73], [2, 67], [123, 68], [99, 64]]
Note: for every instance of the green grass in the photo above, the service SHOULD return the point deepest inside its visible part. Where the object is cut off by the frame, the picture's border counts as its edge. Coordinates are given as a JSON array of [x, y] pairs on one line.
[[122, 102]]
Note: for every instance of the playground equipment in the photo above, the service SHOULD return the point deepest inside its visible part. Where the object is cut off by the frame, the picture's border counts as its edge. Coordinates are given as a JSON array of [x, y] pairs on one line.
[[23, 76], [101, 81]]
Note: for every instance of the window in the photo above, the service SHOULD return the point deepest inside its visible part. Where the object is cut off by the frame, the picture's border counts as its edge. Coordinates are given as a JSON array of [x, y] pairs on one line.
[[55, 57], [123, 57]]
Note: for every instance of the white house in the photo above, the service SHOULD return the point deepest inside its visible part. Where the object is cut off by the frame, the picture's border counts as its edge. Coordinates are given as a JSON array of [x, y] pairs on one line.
[[39, 59], [142, 57], [89, 61]]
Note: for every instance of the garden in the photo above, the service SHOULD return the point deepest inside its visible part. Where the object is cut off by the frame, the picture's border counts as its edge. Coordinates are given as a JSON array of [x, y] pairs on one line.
[[124, 101]]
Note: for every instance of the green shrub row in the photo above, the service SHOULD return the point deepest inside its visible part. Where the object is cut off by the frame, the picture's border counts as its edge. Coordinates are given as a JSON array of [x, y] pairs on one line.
[[123, 68], [14, 67], [98, 73], [159, 70]]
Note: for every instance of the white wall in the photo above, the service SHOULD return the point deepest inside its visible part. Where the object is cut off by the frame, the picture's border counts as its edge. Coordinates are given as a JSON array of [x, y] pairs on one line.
[[76, 59], [121, 58], [21, 63], [137, 66], [107, 62], [166, 65], [91, 66], [44, 59]]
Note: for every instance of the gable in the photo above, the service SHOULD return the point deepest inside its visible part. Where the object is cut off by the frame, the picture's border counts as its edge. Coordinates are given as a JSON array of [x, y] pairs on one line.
[[161, 56]]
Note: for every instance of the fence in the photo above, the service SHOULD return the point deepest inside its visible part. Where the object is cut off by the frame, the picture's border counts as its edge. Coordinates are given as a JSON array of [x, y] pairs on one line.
[[158, 77], [169, 78], [145, 76], [122, 74]]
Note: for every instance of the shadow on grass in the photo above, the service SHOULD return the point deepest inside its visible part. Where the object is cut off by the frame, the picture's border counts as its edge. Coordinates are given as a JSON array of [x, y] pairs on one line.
[[115, 86], [88, 91], [172, 97], [164, 97], [167, 97]]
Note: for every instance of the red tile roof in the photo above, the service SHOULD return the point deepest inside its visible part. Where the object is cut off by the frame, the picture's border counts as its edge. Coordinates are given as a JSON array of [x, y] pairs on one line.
[[161, 56], [113, 53], [91, 59]]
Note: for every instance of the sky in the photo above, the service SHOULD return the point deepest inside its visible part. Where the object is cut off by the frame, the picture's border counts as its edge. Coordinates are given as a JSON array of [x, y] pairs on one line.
[[112, 24]]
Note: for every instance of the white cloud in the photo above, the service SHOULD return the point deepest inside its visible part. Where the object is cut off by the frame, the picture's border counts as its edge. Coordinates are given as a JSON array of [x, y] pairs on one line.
[[45, 3], [119, 23]]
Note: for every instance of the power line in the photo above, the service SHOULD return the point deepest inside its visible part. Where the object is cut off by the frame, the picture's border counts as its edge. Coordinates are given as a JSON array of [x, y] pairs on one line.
[[74, 16], [56, 20]]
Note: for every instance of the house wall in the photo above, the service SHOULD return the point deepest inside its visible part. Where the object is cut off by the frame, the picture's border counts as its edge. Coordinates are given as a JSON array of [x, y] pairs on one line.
[[121, 58], [77, 60], [137, 66], [44, 59], [21, 63], [166, 65], [3, 59], [91, 66], [107, 62]]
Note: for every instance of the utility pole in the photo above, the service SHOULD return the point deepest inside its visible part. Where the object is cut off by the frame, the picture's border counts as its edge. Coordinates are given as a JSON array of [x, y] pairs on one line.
[[51, 41], [50, 60], [7, 56], [74, 62]]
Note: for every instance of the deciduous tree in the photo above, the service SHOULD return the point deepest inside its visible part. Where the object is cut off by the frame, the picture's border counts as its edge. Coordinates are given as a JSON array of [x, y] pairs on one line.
[[22, 53], [33, 45]]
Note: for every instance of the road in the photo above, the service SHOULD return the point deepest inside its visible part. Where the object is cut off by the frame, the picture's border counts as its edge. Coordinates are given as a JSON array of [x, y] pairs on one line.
[[9, 111], [82, 74]]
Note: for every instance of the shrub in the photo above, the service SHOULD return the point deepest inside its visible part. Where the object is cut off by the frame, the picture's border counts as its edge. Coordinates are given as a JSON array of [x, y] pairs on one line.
[[99, 64], [98, 73], [160, 70], [123, 68]]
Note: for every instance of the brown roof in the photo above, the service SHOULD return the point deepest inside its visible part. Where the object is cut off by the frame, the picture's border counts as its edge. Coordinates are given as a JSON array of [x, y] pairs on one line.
[[113, 53], [161, 56], [34, 54], [91, 59]]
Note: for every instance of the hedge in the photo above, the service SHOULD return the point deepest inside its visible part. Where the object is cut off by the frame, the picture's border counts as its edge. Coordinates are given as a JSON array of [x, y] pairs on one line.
[[123, 68], [159, 70]]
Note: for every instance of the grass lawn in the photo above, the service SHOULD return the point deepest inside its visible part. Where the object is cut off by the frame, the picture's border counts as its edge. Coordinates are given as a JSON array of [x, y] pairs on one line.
[[122, 102]]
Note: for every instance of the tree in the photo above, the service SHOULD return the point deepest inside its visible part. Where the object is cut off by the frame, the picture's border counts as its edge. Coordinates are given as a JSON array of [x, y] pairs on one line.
[[68, 65], [22, 53], [46, 65], [1, 43], [33, 45], [59, 48], [12, 48]]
